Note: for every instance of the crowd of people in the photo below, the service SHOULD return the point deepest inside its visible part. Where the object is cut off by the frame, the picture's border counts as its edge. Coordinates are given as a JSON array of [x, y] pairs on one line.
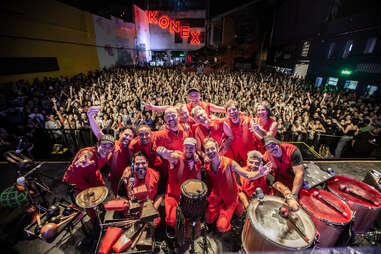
[[125, 94]]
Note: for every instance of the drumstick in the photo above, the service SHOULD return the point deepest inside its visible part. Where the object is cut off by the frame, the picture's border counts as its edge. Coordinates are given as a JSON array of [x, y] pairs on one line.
[[66, 220], [347, 190], [318, 196], [138, 237], [283, 212]]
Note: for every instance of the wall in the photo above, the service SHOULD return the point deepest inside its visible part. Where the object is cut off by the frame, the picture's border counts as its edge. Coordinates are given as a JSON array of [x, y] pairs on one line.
[[143, 45], [44, 28], [162, 39], [115, 41]]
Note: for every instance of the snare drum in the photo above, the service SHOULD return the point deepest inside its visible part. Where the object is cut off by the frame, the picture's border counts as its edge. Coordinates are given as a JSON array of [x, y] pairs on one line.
[[330, 222], [266, 230], [365, 211], [193, 199]]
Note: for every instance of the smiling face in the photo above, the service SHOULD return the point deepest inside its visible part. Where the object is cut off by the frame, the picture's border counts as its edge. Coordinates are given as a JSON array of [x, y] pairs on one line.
[[140, 166], [126, 136], [183, 114], [254, 163], [211, 150], [233, 113], [262, 111], [194, 97], [170, 117], [201, 117], [105, 149], [274, 149], [189, 151], [144, 134]]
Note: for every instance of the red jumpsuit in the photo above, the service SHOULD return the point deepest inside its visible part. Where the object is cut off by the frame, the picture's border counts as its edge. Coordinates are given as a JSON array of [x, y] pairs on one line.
[[223, 198], [86, 177], [154, 160], [177, 176], [120, 159], [204, 105], [150, 180], [266, 127], [169, 139], [216, 131], [248, 187], [282, 169], [244, 140]]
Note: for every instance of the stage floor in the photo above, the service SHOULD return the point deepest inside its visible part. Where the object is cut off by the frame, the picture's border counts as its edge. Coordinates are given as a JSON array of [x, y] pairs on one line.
[[65, 244]]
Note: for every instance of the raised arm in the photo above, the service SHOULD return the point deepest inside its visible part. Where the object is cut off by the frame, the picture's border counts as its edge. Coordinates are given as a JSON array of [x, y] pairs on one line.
[[93, 124], [216, 109], [171, 156], [149, 106]]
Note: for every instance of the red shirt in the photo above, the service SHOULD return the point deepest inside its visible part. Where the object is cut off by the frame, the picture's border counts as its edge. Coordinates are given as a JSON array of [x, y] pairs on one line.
[[249, 187], [170, 139], [268, 124], [216, 131], [153, 159], [282, 169], [204, 105], [223, 182], [179, 174], [120, 159], [150, 180], [244, 139], [86, 177]]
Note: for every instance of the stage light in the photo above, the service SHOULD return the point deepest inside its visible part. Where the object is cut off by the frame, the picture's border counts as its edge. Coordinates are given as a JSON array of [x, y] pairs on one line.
[[346, 72]]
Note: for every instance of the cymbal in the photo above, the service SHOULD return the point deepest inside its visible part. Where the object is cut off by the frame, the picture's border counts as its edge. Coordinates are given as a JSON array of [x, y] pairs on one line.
[[91, 197]]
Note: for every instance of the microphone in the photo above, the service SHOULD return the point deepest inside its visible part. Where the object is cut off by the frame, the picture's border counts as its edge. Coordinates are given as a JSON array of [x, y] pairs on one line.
[[18, 150], [259, 193], [345, 189], [317, 195]]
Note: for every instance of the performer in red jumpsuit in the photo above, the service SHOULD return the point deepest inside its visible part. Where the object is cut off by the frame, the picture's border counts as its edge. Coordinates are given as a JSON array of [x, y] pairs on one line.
[[121, 156], [173, 135], [287, 163], [254, 164], [223, 197], [244, 140], [142, 175], [263, 125], [216, 129], [84, 171], [183, 166], [194, 99]]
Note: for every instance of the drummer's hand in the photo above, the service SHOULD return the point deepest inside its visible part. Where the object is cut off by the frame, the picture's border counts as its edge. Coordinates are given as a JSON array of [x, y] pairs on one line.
[[293, 205], [84, 161], [126, 173]]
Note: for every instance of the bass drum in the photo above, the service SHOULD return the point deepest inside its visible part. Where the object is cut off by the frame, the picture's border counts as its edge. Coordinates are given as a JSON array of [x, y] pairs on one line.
[[266, 230], [330, 222], [365, 212]]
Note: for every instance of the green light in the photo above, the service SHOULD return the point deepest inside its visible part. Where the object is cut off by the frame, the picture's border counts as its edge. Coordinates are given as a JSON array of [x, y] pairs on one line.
[[181, 54], [346, 72]]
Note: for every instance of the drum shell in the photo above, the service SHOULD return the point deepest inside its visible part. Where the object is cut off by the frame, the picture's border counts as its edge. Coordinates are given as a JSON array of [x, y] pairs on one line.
[[364, 216], [253, 240], [193, 207], [329, 232]]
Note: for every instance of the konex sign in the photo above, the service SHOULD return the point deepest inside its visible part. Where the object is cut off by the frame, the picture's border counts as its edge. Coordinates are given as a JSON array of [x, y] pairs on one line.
[[174, 26]]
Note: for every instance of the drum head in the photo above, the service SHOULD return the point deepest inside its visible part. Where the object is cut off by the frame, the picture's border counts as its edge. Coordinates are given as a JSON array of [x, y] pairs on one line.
[[265, 219], [357, 187], [321, 210], [194, 188]]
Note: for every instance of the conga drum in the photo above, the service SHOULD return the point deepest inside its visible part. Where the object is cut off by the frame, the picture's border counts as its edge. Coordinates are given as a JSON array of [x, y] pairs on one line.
[[266, 229], [193, 203], [363, 199], [329, 213], [193, 199]]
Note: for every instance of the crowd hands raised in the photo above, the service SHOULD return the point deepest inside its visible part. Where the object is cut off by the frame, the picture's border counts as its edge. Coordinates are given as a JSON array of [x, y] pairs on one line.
[[125, 96]]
